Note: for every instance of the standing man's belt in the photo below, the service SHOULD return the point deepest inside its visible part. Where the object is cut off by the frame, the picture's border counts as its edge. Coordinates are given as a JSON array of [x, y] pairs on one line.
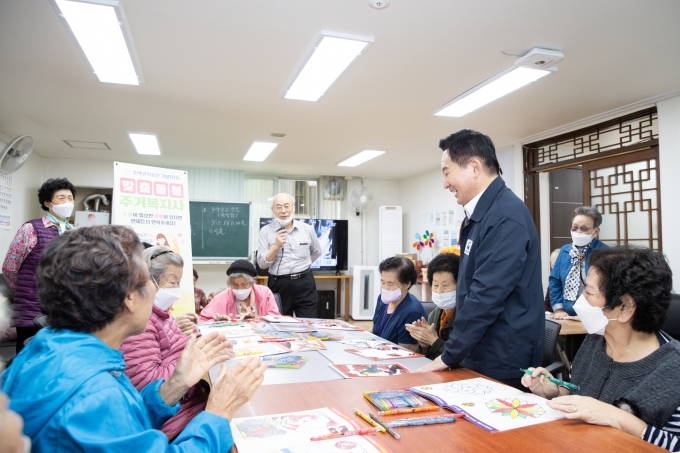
[[293, 276]]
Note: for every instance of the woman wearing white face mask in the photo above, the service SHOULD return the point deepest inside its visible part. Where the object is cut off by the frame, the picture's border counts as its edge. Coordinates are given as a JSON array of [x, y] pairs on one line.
[[243, 299], [153, 355], [568, 275], [627, 368], [56, 197], [396, 307], [433, 332]]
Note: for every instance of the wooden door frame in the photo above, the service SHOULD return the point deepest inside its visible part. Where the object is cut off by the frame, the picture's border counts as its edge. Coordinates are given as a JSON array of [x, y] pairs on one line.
[[631, 157]]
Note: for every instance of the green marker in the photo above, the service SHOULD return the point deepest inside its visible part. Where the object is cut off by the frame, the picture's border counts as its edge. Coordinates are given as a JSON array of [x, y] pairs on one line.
[[554, 381]]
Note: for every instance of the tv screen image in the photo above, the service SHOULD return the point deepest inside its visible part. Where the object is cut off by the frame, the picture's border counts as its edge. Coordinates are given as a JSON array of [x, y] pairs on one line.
[[332, 236]]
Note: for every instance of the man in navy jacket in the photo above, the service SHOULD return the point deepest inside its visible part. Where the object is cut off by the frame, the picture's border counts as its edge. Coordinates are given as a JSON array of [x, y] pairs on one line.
[[500, 320]]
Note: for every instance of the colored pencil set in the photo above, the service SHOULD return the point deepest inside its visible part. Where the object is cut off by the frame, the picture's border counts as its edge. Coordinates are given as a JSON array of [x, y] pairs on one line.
[[397, 399]]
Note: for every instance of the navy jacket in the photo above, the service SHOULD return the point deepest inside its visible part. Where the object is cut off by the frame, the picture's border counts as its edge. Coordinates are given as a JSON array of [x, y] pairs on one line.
[[500, 319], [410, 309]]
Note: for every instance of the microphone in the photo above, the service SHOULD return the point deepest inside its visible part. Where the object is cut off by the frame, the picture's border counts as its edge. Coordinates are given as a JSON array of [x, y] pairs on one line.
[[282, 225]]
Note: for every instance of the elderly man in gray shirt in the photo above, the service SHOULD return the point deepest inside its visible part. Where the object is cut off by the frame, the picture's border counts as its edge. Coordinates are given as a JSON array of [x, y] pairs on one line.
[[288, 247]]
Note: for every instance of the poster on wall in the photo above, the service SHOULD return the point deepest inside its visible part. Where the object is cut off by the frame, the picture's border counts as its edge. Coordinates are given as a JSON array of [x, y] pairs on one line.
[[155, 203], [5, 201]]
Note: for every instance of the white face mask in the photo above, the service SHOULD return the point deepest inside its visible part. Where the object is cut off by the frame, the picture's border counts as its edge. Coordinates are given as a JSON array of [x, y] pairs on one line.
[[165, 297], [242, 294], [445, 301], [63, 210], [389, 296], [580, 239], [593, 319]]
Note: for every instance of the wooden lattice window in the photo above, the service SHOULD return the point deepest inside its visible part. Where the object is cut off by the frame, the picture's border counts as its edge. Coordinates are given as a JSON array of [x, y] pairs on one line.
[[625, 189], [620, 162]]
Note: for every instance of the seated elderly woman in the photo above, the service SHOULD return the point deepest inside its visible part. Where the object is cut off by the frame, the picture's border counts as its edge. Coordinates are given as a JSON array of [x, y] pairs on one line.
[[153, 354], [396, 307], [69, 384], [243, 299], [568, 274], [433, 332], [626, 368]]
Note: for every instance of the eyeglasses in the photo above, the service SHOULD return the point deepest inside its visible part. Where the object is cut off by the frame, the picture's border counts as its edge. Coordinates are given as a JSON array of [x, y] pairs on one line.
[[280, 208], [582, 229]]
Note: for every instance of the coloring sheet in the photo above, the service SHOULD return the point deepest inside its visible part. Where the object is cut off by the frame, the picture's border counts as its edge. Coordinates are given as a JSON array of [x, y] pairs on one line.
[[332, 324], [228, 329], [359, 370], [252, 339], [258, 349], [304, 345], [293, 327], [395, 352], [369, 343], [279, 318], [291, 432], [493, 406]]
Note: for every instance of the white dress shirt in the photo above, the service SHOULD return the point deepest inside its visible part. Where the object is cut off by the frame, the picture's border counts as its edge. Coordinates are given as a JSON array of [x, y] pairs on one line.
[[301, 249]]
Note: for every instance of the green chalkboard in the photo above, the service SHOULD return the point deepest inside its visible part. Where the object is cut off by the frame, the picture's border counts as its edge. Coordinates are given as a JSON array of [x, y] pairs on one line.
[[219, 230]]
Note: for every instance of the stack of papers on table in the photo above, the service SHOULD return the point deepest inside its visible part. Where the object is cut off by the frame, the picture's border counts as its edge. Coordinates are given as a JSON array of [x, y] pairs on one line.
[[228, 329]]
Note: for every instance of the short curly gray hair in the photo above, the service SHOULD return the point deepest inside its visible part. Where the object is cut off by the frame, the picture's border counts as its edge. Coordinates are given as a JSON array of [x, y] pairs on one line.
[[590, 212], [158, 259], [248, 278]]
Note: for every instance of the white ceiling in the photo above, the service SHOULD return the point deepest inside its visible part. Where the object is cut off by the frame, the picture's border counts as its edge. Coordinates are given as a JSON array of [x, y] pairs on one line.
[[215, 71]]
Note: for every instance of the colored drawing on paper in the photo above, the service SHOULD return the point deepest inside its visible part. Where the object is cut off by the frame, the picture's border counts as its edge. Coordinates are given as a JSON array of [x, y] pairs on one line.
[[306, 421], [358, 370], [468, 389], [469, 404], [515, 408], [259, 428]]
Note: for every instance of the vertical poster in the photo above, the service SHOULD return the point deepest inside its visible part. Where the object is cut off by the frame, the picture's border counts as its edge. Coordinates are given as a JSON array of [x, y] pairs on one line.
[[155, 203], [5, 201]]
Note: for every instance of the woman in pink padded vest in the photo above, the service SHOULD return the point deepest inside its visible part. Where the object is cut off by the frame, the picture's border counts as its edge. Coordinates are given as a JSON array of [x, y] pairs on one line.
[[153, 354], [243, 298]]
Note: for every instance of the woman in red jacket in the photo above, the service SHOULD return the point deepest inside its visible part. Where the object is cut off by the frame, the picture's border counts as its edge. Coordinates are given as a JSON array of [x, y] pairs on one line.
[[153, 354]]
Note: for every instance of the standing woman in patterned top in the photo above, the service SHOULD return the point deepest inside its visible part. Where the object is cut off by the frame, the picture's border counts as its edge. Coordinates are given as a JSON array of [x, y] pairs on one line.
[[55, 197]]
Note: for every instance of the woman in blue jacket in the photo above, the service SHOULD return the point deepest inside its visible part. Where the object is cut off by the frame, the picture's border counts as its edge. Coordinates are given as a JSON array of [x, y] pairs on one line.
[[69, 384], [568, 276]]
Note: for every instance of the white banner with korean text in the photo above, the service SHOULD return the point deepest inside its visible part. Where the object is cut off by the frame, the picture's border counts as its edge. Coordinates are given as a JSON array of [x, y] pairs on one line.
[[155, 203]]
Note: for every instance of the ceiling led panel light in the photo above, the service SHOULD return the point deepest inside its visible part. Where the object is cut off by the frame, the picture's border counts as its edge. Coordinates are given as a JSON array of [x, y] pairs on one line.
[[333, 54], [98, 28], [145, 143], [496, 87], [259, 151], [360, 158]]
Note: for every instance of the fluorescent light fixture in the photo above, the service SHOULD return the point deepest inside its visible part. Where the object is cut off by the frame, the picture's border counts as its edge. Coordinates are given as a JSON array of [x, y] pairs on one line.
[[98, 28], [360, 158], [145, 143], [488, 91], [333, 53], [259, 151]]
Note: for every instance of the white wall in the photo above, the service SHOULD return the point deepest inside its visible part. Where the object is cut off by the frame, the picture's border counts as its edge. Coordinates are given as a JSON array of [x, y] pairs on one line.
[[506, 158], [385, 193], [25, 184], [421, 194], [669, 162]]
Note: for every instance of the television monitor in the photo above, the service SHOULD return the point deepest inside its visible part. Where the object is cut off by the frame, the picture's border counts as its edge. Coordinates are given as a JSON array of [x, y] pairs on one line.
[[332, 236]]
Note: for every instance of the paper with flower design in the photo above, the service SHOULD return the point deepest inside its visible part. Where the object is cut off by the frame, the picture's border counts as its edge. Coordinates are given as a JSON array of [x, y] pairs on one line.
[[491, 405]]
